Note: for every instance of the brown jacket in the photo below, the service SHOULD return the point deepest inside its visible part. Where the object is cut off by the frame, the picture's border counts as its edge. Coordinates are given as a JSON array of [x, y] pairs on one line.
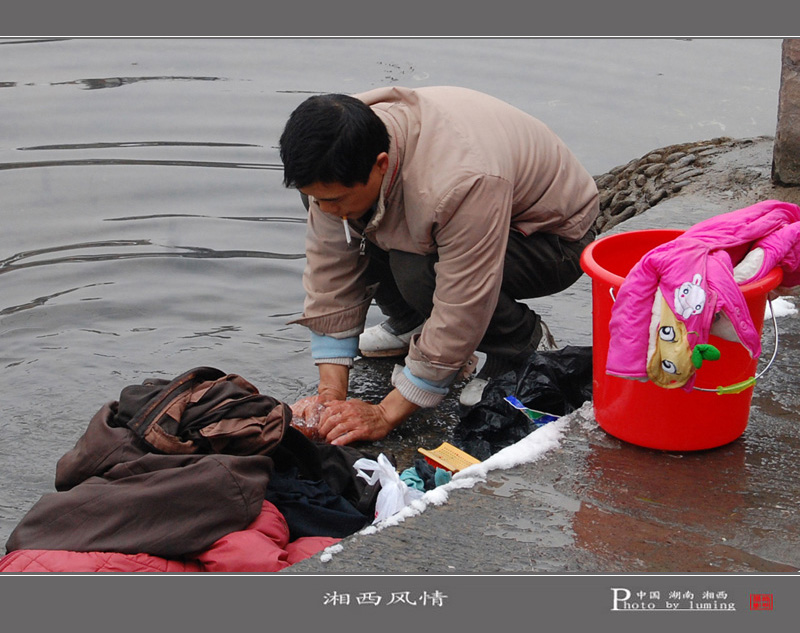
[[465, 168], [167, 469]]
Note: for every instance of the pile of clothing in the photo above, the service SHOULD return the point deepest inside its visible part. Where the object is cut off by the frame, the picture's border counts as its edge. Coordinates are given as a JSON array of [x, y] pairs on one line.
[[201, 473]]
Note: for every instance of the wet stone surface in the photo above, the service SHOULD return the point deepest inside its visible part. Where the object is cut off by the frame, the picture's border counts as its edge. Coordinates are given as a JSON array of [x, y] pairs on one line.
[[370, 380]]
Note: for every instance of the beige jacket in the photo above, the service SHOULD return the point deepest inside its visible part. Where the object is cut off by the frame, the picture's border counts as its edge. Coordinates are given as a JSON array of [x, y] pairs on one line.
[[465, 168]]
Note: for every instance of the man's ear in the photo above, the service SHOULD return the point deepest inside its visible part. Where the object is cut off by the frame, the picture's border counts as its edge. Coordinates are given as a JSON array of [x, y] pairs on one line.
[[382, 161]]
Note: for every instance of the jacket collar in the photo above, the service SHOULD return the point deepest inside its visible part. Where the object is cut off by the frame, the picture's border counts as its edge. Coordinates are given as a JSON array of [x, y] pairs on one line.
[[392, 176]]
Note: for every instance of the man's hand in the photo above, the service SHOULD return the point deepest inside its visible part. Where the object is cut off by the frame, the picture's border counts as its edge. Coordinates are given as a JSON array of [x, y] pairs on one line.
[[307, 408], [306, 412], [346, 421]]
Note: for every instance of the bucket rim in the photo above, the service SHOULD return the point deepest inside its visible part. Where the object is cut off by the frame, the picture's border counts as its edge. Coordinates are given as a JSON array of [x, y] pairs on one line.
[[596, 271]]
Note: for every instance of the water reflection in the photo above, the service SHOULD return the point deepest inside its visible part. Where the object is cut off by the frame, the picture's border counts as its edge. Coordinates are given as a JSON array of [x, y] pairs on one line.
[[116, 82], [10, 262], [208, 217], [111, 145], [195, 252], [223, 332], [132, 161], [40, 301], [641, 501]]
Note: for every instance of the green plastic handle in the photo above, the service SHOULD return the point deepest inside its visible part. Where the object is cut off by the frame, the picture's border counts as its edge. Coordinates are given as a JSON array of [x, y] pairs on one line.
[[737, 387]]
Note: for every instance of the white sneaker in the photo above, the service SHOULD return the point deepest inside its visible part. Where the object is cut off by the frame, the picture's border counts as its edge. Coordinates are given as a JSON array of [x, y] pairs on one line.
[[378, 342], [472, 392]]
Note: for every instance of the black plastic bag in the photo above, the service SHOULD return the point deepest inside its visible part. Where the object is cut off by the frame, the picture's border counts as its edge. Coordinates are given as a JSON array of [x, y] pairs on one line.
[[556, 382]]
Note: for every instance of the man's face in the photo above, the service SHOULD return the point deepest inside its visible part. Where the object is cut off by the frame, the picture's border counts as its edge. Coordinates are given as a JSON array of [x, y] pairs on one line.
[[349, 202]]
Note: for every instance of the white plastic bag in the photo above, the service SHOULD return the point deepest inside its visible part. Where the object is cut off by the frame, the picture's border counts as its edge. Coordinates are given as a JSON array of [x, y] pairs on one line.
[[394, 494]]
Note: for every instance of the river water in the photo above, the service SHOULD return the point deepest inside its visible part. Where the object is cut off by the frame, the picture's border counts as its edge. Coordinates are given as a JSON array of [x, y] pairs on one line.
[[146, 230]]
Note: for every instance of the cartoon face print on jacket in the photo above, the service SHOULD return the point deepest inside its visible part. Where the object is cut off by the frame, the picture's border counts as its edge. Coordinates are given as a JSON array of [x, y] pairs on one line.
[[671, 362], [690, 298]]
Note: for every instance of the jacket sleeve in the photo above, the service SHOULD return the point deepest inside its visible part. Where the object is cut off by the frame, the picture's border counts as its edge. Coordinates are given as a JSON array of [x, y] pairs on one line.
[[471, 232], [781, 248], [337, 298], [631, 321]]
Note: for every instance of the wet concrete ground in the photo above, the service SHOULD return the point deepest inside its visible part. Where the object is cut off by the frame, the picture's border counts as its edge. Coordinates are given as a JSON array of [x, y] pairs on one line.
[[596, 504]]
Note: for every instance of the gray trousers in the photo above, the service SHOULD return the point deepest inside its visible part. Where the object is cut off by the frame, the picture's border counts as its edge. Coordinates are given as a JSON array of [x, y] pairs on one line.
[[537, 265]]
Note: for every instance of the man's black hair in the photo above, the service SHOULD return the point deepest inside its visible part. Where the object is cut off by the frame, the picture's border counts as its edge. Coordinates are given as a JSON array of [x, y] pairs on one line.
[[332, 138]]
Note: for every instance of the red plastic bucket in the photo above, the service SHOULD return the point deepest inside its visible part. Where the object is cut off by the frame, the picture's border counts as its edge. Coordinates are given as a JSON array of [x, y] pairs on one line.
[[643, 413]]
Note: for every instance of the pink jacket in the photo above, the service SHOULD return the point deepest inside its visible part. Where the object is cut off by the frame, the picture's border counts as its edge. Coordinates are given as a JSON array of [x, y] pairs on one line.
[[263, 546], [695, 274]]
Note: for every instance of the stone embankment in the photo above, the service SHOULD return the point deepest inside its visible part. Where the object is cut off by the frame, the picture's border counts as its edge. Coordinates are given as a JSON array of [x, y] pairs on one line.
[[633, 188]]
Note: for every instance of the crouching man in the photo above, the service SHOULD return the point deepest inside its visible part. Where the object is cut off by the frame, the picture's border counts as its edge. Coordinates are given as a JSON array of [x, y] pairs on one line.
[[447, 207]]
